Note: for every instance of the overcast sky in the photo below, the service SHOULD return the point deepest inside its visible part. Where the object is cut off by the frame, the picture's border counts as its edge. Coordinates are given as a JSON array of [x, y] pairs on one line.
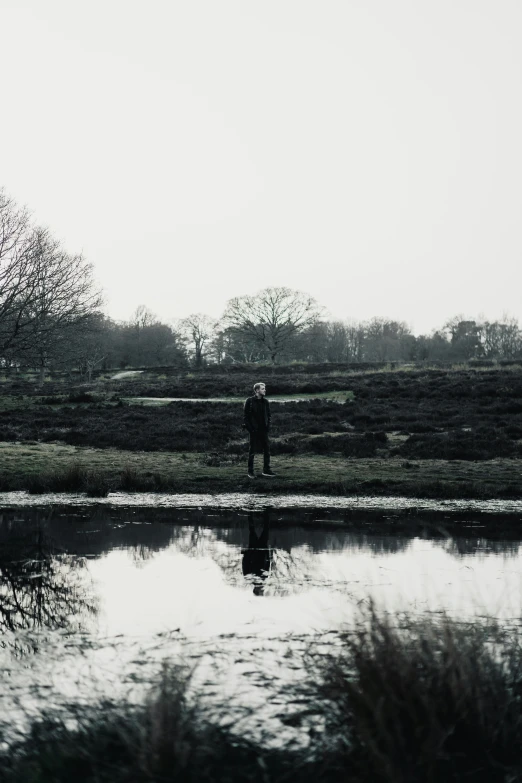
[[368, 152]]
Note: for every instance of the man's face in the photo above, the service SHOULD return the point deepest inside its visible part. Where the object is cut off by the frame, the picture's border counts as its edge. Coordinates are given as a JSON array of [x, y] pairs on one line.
[[261, 390]]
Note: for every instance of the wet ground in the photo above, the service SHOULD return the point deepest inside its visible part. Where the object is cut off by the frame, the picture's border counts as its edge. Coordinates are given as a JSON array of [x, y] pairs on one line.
[[247, 501]]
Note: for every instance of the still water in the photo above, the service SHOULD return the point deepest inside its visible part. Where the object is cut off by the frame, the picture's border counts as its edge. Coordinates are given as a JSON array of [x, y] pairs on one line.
[[93, 599]]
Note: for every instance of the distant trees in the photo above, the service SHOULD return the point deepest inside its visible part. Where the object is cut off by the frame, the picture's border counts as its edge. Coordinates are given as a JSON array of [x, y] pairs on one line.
[[271, 318], [464, 337], [469, 339], [50, 318], [501, 339], [198, 330], [377, 340], [386, 340], [144, 341]]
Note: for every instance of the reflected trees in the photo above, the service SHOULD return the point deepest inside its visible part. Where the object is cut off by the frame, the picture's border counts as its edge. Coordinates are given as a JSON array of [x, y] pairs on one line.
[[40, 588]]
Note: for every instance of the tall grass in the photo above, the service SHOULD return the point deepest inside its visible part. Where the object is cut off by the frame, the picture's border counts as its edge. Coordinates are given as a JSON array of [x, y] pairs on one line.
[[165, 739], [425, 701], [420, 701], [74, 478]]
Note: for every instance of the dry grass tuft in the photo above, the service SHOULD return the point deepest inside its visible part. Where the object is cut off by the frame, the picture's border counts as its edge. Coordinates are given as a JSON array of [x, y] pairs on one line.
[[428, 701]]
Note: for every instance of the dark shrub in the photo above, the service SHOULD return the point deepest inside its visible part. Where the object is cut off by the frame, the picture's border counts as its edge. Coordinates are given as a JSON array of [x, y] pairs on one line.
[[359, 446], [419, 427], [514, 431], [458, 445], [52, 400], [132, 481], [378, 437], [81, 397], [72, 479], [512, 407], [324, 444], [481, 363], [289, 446]]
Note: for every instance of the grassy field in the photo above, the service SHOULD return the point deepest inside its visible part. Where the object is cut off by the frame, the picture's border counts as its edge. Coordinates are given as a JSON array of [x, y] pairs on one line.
[[52, 466], [436, 433]]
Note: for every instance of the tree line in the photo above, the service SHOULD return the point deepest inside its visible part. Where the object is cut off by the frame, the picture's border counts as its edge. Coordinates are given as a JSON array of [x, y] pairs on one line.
[[349, 341], [199, 340], [51, 319]]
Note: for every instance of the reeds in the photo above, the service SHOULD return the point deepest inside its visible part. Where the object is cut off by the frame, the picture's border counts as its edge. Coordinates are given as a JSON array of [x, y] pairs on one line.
[[74, 478], [425, 701], [409, 701], [162, 740]]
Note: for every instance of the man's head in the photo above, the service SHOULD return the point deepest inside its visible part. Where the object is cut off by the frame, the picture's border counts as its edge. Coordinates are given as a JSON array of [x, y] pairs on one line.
[[259, 389]]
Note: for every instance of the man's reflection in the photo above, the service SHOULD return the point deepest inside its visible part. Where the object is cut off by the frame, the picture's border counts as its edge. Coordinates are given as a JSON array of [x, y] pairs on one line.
[[257, 559]]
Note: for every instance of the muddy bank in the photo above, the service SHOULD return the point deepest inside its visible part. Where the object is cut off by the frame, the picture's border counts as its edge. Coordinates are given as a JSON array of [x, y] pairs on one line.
[[306, 509]]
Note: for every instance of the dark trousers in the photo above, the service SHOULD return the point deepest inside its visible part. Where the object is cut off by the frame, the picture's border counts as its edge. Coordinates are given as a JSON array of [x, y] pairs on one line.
[[259, 441]]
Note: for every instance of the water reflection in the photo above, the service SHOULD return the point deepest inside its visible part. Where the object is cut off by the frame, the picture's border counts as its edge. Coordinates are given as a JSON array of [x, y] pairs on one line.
[[461, 547], [257, 558], [40, 587], [189, 581], [45, 581]]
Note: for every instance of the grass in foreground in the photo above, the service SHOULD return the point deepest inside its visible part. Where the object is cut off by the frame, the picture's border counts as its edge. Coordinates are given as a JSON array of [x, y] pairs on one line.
[[427, 702]]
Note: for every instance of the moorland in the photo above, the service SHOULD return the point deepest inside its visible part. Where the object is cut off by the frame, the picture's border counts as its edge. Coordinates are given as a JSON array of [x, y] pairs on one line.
[[415, 431]]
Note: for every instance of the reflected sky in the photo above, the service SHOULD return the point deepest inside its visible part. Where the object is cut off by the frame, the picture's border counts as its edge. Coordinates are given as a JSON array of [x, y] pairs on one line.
[[126, 593], [199, 587]]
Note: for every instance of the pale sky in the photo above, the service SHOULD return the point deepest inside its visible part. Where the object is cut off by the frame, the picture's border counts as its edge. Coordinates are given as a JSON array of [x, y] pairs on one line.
[[368, 152]]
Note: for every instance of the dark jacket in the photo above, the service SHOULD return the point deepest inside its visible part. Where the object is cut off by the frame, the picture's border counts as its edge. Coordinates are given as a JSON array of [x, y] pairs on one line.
[[251, 423]]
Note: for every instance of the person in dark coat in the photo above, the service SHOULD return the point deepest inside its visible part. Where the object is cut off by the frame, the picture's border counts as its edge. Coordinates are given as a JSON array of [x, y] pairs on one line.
[[257, 423]]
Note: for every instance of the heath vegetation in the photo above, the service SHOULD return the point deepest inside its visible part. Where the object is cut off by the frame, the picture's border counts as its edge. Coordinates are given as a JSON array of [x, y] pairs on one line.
[[412, 431]]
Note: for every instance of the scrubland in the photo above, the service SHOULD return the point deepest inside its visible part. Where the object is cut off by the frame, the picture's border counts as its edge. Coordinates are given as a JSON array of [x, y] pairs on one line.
[[432, 432]]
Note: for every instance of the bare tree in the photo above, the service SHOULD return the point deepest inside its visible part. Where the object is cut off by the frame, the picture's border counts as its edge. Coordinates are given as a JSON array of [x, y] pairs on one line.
[[142, 318], [501, 340], [230, 346], [64, 297], [272, 317], [198, 329], [17, 278], [83, 347], [355, 336], [43, 289]]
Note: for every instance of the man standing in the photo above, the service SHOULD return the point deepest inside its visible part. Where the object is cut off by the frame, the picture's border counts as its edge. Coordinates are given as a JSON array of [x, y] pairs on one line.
[[257, 422]]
